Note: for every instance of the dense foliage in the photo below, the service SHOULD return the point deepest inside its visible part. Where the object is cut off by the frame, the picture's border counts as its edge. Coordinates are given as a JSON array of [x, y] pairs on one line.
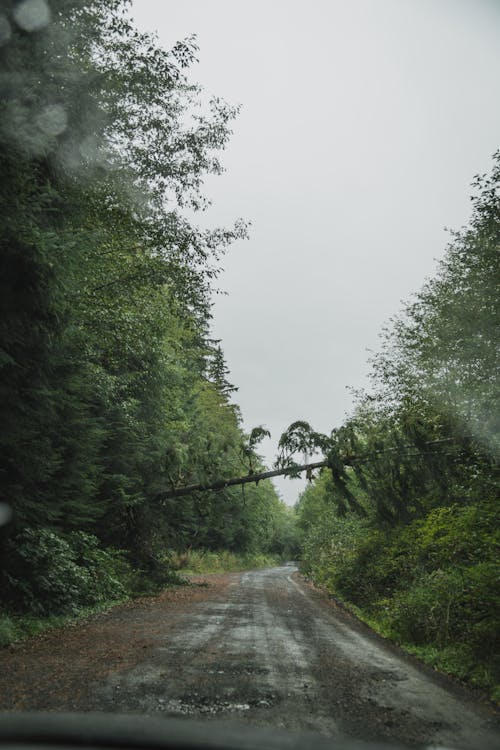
[[406, 525], [111, 387]]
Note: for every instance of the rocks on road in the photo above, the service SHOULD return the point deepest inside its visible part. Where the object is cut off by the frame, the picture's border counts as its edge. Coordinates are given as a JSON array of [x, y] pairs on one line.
[[262, 647]]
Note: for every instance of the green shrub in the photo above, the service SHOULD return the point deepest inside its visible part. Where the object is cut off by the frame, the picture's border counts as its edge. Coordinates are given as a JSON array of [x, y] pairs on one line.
[[7, 630], [458, 535], [432, 585], [429, 610], [51, 574]]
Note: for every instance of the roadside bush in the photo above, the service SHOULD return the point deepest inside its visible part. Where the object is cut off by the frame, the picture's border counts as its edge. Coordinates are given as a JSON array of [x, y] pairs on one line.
[[456, 534], [381, 563], [365, 572], [158, 570], [61, 575], [330, 549], [432, 585], [430, 610], [7, 630], [206, 561]]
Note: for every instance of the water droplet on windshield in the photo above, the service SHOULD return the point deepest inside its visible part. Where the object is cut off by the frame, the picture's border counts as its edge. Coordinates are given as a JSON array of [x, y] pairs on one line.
[[5, 513], [53, 119], [5, 30], [32, 15]]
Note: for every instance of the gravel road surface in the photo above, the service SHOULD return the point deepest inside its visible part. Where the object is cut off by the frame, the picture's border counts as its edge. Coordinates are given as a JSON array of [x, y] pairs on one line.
[[262, 646]]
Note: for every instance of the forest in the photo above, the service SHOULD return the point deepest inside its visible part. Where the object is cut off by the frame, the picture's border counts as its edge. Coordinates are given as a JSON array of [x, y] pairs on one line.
[[114, 392], [405, 527], [112, 387]]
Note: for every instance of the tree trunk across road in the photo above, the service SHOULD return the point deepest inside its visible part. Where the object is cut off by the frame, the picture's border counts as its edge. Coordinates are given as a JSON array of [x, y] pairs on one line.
[[261, 646]]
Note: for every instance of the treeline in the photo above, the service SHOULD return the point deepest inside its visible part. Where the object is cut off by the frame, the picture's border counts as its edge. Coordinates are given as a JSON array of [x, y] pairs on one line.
[[111, 387], [409, 532]]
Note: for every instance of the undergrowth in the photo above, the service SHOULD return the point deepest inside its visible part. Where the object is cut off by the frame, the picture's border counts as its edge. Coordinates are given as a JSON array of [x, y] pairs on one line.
[[222, 561], [430, 586]]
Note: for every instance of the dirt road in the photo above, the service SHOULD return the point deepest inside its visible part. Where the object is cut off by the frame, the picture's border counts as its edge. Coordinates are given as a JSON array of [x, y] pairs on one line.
[[261, 646]]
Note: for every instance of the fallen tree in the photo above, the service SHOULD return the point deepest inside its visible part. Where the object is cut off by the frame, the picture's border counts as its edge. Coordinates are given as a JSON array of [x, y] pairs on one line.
[[222, 484]]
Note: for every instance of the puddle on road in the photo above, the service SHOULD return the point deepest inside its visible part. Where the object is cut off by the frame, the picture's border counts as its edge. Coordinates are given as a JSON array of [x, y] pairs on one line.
[[208, 705], [238, 669], [179, 707]]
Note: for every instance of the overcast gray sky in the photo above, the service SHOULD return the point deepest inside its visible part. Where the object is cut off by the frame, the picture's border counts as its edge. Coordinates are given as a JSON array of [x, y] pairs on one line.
[[363, 123]]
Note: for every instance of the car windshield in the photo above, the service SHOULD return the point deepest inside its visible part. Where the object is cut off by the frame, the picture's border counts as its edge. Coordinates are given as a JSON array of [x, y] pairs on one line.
[[249, 384]]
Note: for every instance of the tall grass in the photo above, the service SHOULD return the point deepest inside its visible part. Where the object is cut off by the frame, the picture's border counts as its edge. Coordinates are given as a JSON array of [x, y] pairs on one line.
[[204, 561]]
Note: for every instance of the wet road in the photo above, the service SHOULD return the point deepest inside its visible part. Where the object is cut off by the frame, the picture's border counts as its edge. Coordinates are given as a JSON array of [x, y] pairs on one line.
[[273, 651], [262, 647]]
